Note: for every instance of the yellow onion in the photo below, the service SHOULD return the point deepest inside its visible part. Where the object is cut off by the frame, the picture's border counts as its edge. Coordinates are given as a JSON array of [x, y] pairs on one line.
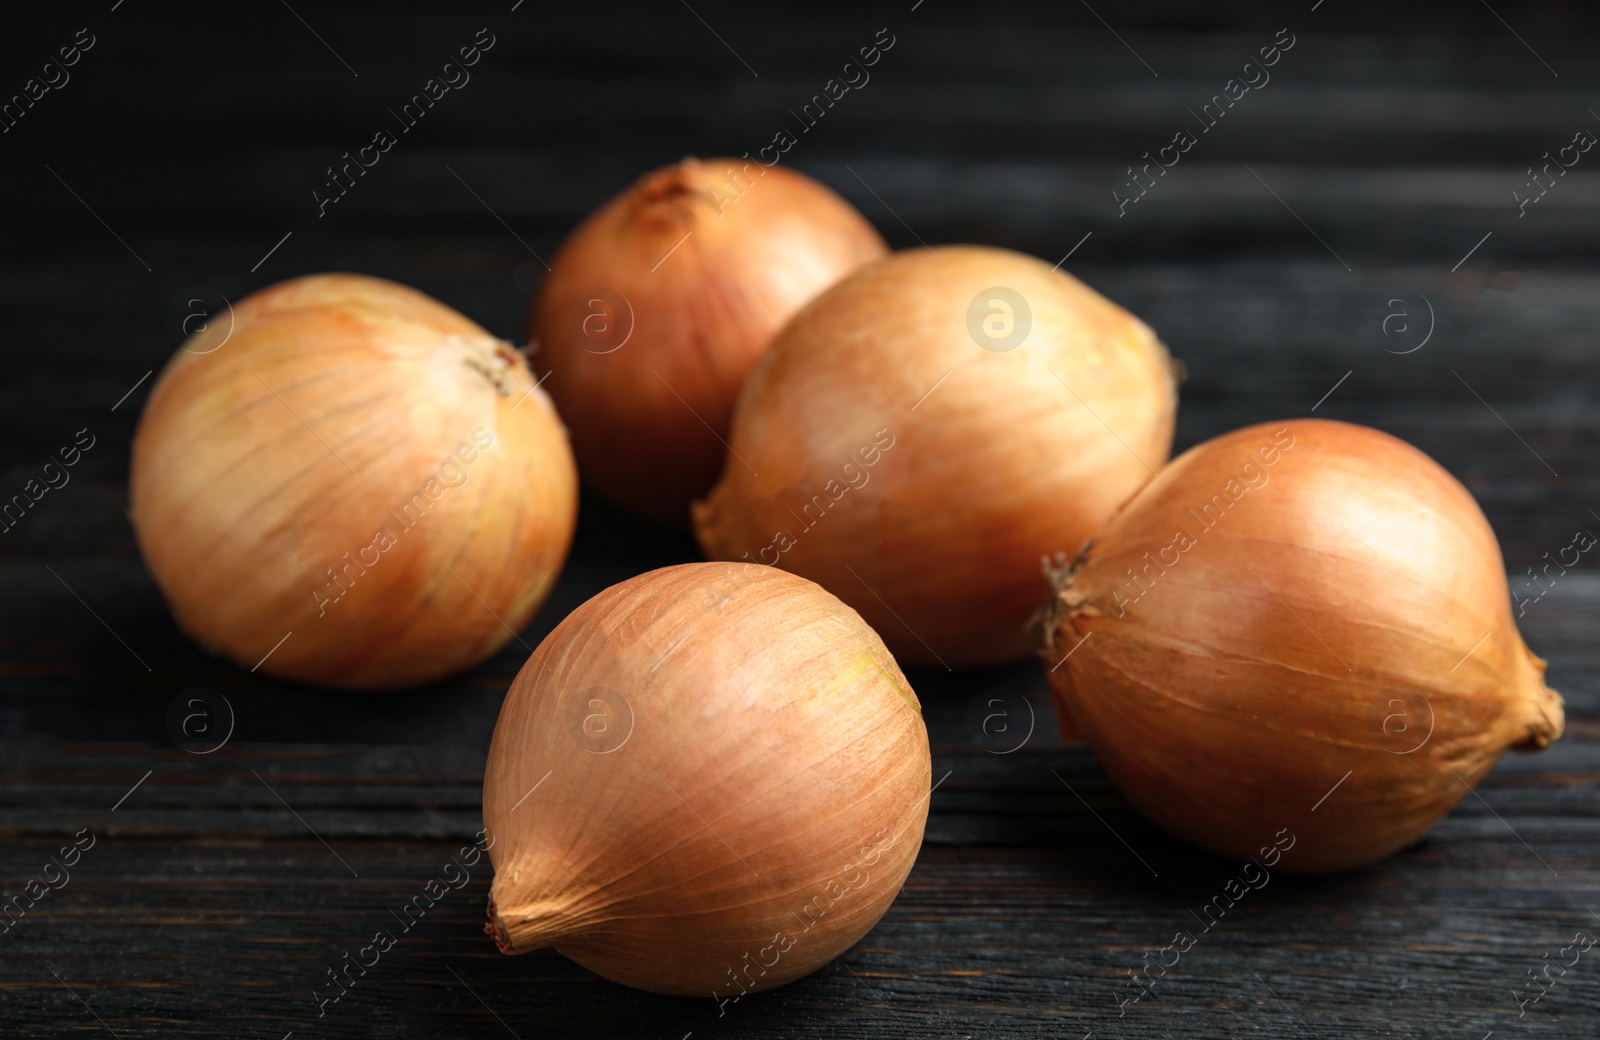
[[658, 304], [349, 483], [920, 434], [709, 779], [1297, 638]]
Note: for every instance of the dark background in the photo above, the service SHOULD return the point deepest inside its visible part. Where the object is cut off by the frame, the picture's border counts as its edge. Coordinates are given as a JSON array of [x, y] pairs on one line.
[[189, 141]]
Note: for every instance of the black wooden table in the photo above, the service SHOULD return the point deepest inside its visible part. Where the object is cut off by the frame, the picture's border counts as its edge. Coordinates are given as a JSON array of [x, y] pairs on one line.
[[1345, 241]]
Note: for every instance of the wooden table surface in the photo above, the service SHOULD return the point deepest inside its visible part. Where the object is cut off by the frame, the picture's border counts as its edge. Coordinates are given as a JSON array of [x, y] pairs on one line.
[[1295, 259]]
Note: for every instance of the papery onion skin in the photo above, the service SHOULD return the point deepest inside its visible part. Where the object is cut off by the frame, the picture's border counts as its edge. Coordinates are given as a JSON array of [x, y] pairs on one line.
[[1334, 655], [997, 456], [709, 779], [278, 443], [659, 303]]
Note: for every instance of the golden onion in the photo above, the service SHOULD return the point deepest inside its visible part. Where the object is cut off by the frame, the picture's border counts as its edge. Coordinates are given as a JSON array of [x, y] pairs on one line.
[[660, 302], [1298, 633], [710, 779], [919, 435], [349, 483]]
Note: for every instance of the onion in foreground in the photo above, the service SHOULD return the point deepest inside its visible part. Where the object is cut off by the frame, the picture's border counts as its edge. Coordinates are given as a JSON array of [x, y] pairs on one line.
[[658, 304], [1297, 638], [710, 779], [923, 432], [349, 483]]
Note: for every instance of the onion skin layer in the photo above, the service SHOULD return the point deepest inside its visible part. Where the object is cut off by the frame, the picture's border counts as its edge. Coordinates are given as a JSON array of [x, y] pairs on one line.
[[242, 508], [1326, 624], [718, 755], [646, 370], [1013, 456]]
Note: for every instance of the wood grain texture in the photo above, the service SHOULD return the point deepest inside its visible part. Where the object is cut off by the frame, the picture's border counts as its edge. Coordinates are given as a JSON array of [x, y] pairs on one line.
[[222, 889]]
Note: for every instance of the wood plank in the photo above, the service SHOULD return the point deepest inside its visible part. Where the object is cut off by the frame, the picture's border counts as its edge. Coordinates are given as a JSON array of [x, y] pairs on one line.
[[1044, 937], [207, 908]]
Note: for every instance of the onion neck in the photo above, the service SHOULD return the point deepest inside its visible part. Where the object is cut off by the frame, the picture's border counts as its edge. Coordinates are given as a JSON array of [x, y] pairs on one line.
[[498, 362], [719, 527], [521, 926], [1058, 574], [671, 192], [1543, 716], [1051, 620]]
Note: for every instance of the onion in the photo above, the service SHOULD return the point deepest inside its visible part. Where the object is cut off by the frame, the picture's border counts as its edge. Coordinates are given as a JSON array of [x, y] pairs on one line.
[[921, 433], [709, 779], [658, 304], [1302, 626], [351, 484]]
